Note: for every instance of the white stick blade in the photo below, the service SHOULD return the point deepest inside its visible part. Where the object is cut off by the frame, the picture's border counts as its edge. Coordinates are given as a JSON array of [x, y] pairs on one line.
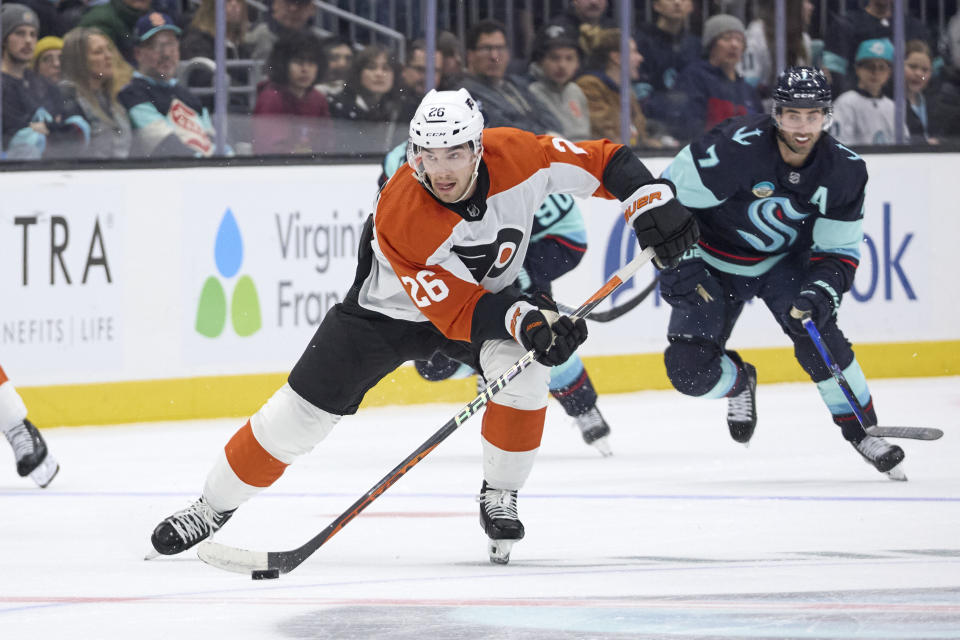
[[230, 558]]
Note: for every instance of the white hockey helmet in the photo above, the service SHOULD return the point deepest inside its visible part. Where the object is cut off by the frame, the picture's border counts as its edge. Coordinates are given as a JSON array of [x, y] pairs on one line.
[[445, 119]]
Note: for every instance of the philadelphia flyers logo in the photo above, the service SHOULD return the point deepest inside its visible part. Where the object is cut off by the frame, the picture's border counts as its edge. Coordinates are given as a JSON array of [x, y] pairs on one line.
[[491, 260], [506, 252]]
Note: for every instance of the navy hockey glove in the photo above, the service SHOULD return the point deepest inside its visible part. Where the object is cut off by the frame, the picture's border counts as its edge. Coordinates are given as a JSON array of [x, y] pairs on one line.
[[814, 300], [553, 338], [661, 222]]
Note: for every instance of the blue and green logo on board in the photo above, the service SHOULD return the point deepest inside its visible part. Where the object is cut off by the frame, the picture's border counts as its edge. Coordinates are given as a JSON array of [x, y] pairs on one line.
[[244, 307]]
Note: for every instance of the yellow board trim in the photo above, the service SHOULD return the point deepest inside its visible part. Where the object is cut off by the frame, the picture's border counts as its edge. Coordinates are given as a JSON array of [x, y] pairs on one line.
[[242, 395]]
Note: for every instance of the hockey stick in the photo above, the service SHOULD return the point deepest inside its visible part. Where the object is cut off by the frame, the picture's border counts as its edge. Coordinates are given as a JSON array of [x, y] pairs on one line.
[[616, 312], [270, 564], [915, 433]]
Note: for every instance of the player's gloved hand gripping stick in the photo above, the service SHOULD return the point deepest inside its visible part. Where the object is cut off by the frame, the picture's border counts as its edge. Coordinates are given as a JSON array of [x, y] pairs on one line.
[[270, 564], [916, 433], [661, 222], [538, 326]]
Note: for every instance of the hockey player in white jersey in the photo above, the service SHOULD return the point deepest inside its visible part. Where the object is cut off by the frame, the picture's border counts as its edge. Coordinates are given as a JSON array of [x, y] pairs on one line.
[[447, 239], [29, 448], [558, 242]]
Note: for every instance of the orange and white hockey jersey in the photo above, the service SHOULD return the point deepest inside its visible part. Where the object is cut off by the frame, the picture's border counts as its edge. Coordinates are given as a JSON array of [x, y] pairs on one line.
[[440, 262]]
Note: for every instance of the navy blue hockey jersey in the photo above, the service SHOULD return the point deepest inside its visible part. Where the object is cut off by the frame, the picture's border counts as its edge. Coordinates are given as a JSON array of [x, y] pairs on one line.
[[754, 209]]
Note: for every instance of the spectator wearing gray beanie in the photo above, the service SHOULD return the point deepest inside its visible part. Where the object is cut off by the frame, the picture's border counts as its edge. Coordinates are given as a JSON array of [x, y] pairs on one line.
[[724, 41], [35, 122], [710, 90], [17, 15], [717, 25]]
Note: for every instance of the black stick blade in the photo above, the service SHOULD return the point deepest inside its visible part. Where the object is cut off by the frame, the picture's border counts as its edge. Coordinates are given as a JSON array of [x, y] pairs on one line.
[[913, 433]]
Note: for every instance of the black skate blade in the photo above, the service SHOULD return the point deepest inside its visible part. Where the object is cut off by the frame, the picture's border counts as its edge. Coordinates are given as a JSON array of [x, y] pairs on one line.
[[912, 433]]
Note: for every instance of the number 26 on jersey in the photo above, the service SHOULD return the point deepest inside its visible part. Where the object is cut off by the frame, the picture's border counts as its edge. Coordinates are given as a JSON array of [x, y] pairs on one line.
[[435, 288]]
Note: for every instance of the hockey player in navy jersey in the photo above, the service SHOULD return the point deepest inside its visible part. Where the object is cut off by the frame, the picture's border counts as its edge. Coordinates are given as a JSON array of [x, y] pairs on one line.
[[557, 244], [780, 207]]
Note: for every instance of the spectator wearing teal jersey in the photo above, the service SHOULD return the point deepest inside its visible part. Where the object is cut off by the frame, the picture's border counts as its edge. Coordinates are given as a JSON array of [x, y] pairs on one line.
[[168, 119]]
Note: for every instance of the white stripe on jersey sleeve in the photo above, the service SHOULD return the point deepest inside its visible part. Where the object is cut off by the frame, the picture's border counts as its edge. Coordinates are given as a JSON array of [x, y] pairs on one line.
[[569, 178]]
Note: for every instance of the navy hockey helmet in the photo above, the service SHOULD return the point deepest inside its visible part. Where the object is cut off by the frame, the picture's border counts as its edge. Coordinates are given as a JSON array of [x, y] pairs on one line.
[[803, 88]]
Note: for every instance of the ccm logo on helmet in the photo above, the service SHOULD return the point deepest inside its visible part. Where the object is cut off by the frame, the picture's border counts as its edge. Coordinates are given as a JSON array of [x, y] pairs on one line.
[[640, 203]]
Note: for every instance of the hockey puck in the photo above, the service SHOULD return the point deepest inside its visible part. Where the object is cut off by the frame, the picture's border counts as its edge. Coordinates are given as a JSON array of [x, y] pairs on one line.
[[265, 574]]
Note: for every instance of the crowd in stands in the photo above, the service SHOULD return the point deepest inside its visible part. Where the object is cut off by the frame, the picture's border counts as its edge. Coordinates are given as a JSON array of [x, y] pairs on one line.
[[122, 78]]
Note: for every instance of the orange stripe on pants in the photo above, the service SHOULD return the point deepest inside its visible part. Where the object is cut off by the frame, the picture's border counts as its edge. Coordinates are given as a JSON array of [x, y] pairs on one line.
[[513, 429], [250, 461]]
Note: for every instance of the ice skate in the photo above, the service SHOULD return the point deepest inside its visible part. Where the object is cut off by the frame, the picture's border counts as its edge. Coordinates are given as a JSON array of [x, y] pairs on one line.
[[186, 528], [30, 451], [882, 455], [595, 430], [742, 407], [499, 519]]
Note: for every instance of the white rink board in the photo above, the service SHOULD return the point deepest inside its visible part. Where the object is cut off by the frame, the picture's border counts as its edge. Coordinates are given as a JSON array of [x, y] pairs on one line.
[[297, 231], [138, 246]]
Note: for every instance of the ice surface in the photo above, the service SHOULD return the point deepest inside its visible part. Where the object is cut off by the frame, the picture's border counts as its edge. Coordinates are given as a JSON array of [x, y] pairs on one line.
[[683, 533]]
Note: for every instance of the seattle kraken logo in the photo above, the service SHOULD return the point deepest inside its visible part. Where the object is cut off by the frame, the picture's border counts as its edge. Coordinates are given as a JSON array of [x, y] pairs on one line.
[[767, 216]]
